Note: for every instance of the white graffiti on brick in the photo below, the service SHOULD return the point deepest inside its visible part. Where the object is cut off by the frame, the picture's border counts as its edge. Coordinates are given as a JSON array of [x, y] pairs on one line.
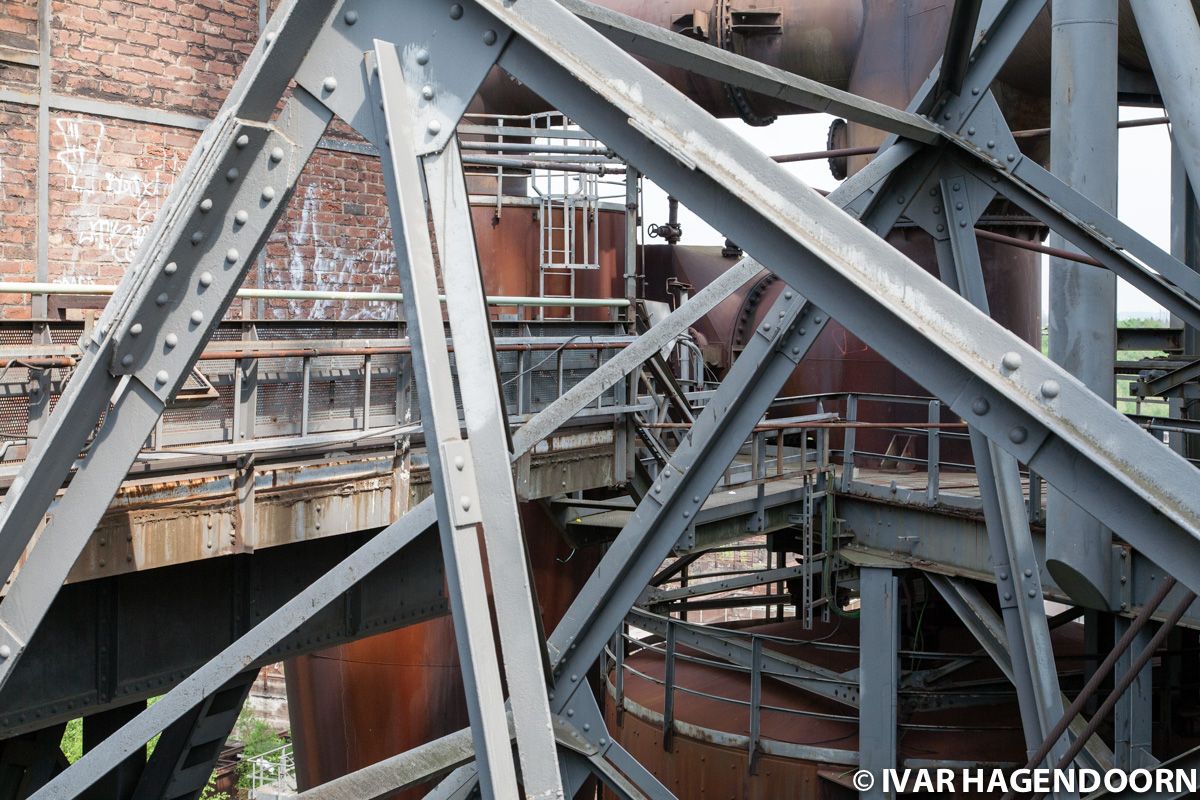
[[323, 255], [115, 208]]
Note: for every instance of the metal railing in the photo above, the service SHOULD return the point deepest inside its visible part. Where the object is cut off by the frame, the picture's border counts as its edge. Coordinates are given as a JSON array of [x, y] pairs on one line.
[[762, 658], [273, 768]]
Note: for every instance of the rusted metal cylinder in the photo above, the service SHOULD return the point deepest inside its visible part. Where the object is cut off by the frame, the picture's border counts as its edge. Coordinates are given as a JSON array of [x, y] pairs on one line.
[[356, 704]]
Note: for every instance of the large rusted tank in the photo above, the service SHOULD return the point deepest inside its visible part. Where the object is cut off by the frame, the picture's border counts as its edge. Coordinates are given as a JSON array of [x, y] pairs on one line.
[[356, 704]]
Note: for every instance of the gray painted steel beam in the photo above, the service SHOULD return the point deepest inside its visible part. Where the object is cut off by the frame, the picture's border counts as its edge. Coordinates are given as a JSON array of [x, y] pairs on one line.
[[451, 461], [1133, 714], [1172, 37], [878, 675], [1033, 409]]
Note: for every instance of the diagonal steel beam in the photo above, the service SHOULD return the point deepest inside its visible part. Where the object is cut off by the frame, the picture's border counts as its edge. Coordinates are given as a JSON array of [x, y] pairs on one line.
[[452, 463], [1033, 409]]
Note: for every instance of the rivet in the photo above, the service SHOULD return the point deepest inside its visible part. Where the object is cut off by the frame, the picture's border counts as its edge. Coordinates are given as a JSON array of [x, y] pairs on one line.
[[795, 351], [603, 741], [1018, 435], [958, 206], [205, 205], [172, 340], [687, 514], [232, 175], [971, 131], [127, 359], [1008, 595], [242, 141], [1011, 360], [1003, 574], [170, 268], [587, 726], [231, 255], [991, 143], [269, 37], [456, 11], [163, 299], [5, 651], [1050, 389], [766, 326], [937, 209], [329, 84], [787, 295], [351, 17], [802, 331], [276, 154], [197, 237], [900, 200], [162, 376], [422, 57], [818, 319], [459, 463], [241, 217], [206, 278], [1033, 592], [574, 678], [1028, 573], [268, 193], [489, 37], [980, 406], [570, 712], [434, 127], [465, 502], [695, 498], [1011, 157], [962, 223], [427, 92], [197, 317], [946, 116], [135, 329], [941, 227], [974, 90]]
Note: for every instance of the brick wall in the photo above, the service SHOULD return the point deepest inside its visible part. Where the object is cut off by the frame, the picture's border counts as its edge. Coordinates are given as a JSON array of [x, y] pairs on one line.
[[109, 177]]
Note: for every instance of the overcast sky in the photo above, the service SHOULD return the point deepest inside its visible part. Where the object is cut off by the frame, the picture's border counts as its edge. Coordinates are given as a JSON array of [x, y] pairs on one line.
[[1143, 190]]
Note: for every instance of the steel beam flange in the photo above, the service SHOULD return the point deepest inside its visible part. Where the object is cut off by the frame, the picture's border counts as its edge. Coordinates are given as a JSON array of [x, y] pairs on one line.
[[448, 48], [181, 303]]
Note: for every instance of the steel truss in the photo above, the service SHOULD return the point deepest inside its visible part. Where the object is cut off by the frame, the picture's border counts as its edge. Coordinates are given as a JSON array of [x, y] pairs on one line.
[[950, 153]]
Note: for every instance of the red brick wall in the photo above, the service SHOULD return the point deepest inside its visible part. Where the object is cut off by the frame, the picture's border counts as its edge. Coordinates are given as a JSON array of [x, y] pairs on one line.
[[179, 56], [109, 177], [18, 233]]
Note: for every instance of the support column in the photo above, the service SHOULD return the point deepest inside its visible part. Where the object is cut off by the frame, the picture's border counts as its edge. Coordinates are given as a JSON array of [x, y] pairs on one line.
[[878, 674], [1083, 299], [1134, 712], [120, 782]]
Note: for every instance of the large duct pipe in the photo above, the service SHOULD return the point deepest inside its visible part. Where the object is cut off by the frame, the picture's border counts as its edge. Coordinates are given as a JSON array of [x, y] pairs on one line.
[[1083, 299]]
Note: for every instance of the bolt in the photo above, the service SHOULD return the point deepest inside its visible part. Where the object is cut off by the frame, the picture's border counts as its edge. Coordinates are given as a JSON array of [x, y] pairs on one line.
[[135, 329], [456, 11], [206, 278], [242, 141], [172, 340], [1018, 435], [489, 38], [434, 127], [329, 84], [232, 175], [231, 255], [1050, 389], [205, 205], [465, 502], [162, 376], [276, 154], [197, 317], [980, 406], [351, 17], [241, 217], [1011, 360]]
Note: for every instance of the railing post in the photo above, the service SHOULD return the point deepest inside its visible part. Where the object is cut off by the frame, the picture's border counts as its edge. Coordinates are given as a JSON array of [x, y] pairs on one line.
[[1035, 497], [306, 393], [669, 688], [934, 455], [619, 672], [848, 444], [756, 658], [366, 392]]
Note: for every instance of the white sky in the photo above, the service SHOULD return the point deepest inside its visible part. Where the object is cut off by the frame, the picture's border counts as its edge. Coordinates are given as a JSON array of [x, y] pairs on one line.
[[1144, 180]]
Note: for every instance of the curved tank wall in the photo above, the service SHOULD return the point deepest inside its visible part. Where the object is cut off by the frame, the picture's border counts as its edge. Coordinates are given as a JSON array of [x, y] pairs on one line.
[[356, 704]]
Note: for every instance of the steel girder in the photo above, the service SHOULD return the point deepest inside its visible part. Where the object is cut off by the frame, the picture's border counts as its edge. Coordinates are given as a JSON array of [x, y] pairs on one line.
[[1003, 387]]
